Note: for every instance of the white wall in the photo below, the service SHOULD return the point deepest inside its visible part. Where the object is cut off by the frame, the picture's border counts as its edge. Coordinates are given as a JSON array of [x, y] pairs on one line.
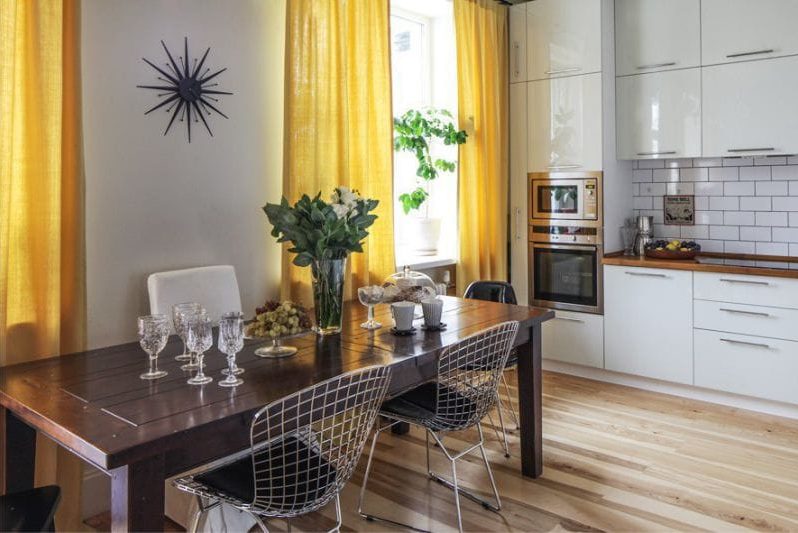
[[158, 203]]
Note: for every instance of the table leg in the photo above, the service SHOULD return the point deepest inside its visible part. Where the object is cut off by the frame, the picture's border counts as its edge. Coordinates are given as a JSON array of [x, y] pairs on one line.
[[530, 397], [20, 453], [137, 496]]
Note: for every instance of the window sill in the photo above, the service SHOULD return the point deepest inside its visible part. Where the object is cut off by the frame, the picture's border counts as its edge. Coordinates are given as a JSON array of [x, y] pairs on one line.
[[422, 262]]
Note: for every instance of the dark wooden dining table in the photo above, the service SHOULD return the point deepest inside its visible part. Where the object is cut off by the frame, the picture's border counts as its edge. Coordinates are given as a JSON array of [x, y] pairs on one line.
[[143, 432]]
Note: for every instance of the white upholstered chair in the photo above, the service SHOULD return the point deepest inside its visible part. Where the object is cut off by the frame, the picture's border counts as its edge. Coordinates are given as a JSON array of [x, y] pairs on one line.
[[215, 287]]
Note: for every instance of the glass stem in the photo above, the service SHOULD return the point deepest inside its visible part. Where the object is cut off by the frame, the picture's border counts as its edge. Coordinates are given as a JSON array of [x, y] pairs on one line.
[[371, 314], [184, 345], [200, 373], [153, 364], [231, 367]]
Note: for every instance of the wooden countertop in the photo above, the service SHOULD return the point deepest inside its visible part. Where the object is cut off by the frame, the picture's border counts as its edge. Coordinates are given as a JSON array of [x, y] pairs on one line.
[[748, 268]]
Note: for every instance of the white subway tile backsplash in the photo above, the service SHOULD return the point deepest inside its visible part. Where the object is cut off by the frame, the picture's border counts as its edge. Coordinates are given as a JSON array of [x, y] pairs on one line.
[[693, 174], [785, 234], [742, 204], [738, 161], [755, 203], [724, 203], [666, 174], [739, 247], [785, 203], [738, 218], [772, 248], [708, 189], [724, 233], [771, 219], [788, 173], [772, 188], [755, 233], [754, 173], [739, 188], [724, 174], [708, 217], [679, 188]]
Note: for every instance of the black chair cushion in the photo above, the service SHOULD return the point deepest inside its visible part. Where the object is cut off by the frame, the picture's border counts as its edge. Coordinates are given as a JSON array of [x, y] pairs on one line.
[[419, 404], [300, 475], [29, 510]]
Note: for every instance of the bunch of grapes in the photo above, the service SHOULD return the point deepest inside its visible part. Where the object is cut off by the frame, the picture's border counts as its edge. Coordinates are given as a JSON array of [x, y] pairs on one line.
[[275, 319]]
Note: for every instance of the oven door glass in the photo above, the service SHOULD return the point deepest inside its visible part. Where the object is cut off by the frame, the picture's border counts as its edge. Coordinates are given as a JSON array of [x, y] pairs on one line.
[[558, 199], [566, 274]]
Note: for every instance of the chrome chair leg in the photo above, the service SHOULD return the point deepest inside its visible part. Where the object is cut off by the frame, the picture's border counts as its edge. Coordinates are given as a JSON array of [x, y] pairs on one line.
[[501, 422], [259, 521], [457, 496], [510, 402], [488, 468], [197, 515]]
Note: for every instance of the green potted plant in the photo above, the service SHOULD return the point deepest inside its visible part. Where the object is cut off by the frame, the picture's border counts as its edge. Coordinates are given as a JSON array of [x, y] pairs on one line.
[[415, 132], [323, 234]]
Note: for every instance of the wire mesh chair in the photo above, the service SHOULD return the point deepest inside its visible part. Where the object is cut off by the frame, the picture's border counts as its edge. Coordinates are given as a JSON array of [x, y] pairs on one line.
[[468, 378], [501, 292], [304, 448]]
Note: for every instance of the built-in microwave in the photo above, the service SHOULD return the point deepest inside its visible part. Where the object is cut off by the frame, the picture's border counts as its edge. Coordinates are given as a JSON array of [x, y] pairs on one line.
[[565, 196]]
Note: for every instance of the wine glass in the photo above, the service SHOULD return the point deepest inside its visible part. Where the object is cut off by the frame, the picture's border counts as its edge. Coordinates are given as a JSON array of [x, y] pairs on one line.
[[186, 316], [231, 341], [178, 313], [153, 334], [199, 338], [370, 296], [237, 370]]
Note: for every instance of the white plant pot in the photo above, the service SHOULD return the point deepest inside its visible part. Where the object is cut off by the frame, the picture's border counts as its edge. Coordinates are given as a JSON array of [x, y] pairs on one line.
[[425, 232]]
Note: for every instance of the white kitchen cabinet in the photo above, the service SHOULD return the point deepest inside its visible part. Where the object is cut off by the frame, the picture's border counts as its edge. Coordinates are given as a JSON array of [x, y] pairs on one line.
[[645, 40], [576, 338], [744, 289], [518, 43], [659, 115], [749, 108], [564, 129], [648, 322], [519, 253], [742, 30], [743, 364], [756, 320], [563, 38]]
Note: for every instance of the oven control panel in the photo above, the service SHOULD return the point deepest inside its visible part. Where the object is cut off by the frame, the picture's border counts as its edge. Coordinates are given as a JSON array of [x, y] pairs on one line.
[[591, 200], [565, 234]]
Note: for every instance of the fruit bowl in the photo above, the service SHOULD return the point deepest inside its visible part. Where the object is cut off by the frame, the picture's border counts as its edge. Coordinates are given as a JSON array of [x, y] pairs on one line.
[[673, 249], [275, 322]]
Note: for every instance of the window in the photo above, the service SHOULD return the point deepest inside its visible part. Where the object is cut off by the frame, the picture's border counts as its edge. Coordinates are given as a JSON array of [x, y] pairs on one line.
[[423, 64]]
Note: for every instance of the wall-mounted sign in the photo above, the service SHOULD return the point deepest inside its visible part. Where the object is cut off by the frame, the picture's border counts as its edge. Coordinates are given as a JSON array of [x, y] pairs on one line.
[[679, 210]]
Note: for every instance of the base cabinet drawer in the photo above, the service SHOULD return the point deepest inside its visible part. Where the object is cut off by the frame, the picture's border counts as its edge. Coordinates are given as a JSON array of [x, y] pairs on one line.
[[576, 338], [742, 289], [753, 366], [753, 320]]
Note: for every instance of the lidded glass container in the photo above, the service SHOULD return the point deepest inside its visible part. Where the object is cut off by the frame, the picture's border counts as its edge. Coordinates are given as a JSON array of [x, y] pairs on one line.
[[408, 285]]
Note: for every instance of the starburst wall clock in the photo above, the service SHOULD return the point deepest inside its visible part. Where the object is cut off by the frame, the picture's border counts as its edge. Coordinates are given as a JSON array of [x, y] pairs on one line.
[[187, 91]]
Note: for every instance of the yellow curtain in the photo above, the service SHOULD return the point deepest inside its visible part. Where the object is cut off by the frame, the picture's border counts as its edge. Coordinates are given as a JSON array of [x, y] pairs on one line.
[[338, 121], [42, 285], [482, 84]]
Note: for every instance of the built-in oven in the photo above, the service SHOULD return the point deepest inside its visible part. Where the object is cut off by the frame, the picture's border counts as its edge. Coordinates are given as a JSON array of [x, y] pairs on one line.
[[566, 276], [565, 196]]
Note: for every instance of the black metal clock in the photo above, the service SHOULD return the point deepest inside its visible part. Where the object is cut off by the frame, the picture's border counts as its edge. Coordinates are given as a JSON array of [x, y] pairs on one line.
[[187, 92]]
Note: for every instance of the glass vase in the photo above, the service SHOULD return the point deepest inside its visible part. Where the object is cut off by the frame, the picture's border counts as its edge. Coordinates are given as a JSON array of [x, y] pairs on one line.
[[328, 294]]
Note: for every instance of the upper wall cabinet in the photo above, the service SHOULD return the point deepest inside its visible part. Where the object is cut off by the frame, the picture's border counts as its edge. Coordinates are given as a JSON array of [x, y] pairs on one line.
[[518, 43], [563, 38], [740, 30], [659, 115], [644, 35], [750, 108], [564, 130]]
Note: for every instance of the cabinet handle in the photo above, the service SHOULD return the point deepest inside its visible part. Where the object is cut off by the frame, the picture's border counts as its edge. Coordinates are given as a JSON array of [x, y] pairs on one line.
[[646, 274], [754, 53], [741, 312], [657, 65], [563, 70], [744, 281], [568, 319], [518, 223], [763, 149], [745, 343], [517, 57], [668, 152], [563, 167]]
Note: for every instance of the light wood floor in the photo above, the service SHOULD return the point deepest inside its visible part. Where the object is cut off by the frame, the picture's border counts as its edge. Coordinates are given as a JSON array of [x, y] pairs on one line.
[[616, 459]]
